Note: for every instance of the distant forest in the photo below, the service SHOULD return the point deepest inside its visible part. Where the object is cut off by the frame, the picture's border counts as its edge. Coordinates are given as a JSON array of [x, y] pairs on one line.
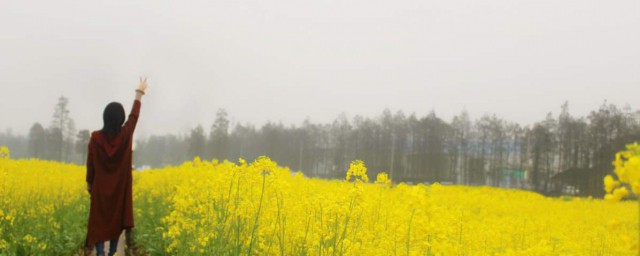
[[561, 154]]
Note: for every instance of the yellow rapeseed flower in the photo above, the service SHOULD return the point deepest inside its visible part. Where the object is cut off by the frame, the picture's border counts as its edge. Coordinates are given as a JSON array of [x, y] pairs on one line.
[[5, 153], [627, 168], [610, 183], [383, 179], [29, 238], [357, 171]]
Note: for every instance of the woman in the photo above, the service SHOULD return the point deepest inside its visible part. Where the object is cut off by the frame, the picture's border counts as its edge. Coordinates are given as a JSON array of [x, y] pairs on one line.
[[109, 176]]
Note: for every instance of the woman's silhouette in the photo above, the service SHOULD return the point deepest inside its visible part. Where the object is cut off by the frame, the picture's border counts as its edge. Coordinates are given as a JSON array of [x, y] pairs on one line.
[[109, 178]]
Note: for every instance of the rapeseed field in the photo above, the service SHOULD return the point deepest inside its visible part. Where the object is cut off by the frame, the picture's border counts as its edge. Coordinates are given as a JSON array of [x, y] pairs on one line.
[[259, 208]]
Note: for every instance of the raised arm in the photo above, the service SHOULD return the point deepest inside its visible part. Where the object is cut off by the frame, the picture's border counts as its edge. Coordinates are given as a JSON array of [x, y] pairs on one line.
[[130, 125]]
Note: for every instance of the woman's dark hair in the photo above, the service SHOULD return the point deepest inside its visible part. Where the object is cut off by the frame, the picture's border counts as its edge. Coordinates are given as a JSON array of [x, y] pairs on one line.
[[113, 118]]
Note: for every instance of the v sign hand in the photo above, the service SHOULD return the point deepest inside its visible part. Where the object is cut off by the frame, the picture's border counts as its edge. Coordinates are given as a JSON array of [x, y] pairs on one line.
[[143, 84], [141, 88]]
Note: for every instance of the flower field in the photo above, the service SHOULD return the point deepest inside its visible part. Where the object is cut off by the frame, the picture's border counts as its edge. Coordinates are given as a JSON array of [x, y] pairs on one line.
[[259, 208]]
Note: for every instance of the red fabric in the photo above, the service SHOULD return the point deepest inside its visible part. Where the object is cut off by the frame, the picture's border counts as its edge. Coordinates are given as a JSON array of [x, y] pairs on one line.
[[109, 174]]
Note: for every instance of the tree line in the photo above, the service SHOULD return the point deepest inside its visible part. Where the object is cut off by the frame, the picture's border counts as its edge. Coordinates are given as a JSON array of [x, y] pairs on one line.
[[59, 141], [561, 154]]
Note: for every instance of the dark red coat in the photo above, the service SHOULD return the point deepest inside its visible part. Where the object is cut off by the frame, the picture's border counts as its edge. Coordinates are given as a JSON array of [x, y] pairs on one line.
[[109, 173]]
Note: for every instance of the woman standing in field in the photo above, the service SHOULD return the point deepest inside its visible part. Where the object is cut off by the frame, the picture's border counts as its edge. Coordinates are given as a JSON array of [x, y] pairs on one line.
[[109, 177]]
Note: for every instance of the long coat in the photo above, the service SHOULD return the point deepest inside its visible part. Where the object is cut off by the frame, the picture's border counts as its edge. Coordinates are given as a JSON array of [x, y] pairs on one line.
[[109, 174]]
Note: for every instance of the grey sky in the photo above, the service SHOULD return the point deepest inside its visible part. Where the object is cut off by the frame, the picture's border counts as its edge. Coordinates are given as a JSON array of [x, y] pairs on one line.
[[287, 60]]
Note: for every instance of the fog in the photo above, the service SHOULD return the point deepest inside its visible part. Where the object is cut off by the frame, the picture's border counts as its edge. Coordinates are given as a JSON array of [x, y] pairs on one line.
[[290, 60]]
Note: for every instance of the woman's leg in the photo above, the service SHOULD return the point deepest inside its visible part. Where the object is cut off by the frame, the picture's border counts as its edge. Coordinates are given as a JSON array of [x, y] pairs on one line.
[[100, 249], [113, 246]]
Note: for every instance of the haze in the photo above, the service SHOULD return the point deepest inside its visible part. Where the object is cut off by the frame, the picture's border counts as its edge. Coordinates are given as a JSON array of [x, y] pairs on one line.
[[289, 60]]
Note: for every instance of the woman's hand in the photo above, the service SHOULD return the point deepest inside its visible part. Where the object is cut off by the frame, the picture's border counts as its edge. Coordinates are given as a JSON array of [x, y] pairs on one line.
[[141, 88], [143, 85]]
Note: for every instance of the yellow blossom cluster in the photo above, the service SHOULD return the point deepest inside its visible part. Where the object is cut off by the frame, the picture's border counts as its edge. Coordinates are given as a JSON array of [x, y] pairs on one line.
[[383, 179], [4, 152], [627, 169], [357, 171]]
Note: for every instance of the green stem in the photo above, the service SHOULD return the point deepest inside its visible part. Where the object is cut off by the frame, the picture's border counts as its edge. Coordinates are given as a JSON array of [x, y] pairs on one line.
[[409, 233], [255, 223]]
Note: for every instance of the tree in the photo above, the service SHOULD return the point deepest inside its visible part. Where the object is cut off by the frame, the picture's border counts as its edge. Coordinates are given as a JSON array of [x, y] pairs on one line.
[[542, 157], [240, 142], [497, 142], [219, 136], [197, 141], [69, 137], [82, 142], [63, 122], [55, 143], [461, 133], [37, 141], [433, 160], [400, 135], [564, 137], [340, 130], [482, 149], [273, 141]]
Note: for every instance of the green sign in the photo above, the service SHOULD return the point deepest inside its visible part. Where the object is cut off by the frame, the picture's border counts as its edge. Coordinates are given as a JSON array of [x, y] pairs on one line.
[[517, 173]]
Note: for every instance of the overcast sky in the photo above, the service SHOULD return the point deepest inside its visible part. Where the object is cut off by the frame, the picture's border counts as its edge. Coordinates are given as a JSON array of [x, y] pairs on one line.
[[288, 60]]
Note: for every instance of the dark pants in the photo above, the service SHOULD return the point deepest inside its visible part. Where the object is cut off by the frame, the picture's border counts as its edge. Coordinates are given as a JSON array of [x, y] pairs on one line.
[[113, 245]]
